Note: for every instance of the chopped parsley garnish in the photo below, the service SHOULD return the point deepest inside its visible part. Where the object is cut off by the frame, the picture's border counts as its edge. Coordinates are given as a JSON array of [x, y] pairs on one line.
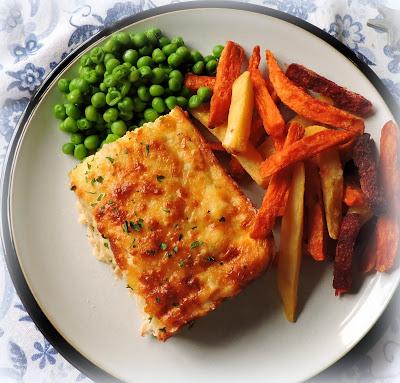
[[147, 150], [175, 249], [222, 219], [138, 225], [106, 245], [100, 197], [93, 204], [210, 259], [99, 179], [158, 300], [90, 192], [163, 246], [160, 178], [195, 244], [166, 210], [88, 165], [181, 263], [163, 329], [125, 227], [180, 237], [110, 159]]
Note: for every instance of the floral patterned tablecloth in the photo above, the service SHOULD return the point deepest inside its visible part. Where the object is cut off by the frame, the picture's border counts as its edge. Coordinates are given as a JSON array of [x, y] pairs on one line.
[[35, 35]]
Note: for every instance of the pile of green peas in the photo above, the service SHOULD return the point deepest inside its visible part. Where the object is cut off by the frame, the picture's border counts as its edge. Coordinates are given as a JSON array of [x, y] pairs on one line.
[[130, 80]]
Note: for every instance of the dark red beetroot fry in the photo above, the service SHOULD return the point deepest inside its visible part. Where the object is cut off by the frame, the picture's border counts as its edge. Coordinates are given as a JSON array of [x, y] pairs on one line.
[[364, 156], [342, 97], [342, 272]]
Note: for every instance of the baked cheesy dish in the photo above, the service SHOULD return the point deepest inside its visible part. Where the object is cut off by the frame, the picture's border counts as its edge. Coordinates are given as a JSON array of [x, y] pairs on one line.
[[161, 210]]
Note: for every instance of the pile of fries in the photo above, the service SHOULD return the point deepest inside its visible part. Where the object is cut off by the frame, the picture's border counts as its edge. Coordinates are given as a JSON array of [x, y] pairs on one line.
[[319, 169]]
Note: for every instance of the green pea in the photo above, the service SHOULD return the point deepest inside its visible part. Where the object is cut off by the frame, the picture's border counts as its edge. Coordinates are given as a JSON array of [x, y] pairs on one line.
[[208, 58], [70, 125], [91, 77], [86, 60], [131, 56], [158, 76], [97, 55], [156, 90], [211, 66], [126, 115], [183, 52], [63, 85], [111, 138], [59, 111], [139, 40], [176, 74], [98, 100], [134, 75], [83, 71], [171, 102], [125, 87], [182, 101], [123, 38], [158, 56], [166, 68], [78, 83], [80, 152], [158, 105], [68, 148], [91, 113], [174, 84], [109, 81], [110, 115], [113, 97], [150, 115], [76, 138], [145, 61], [178, 41], [146, 50], [126, 104], [92, 142], [153, 35], [100, 69], [138, 105], [217, 50], [196, 56], [84, 124], [204, 93], [194, 102], [143, 93], [108, 56], [72, 111], [74, 97], [174, 60], [185, 92], [198, 67], [145, 72], [111, 64], [120, 72], [163, 41], [103, 87], [169, 49], [110, 46], [119, 128]]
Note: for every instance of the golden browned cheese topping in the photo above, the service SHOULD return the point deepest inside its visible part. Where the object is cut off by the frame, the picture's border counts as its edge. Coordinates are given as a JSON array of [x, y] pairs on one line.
[[177, 225]]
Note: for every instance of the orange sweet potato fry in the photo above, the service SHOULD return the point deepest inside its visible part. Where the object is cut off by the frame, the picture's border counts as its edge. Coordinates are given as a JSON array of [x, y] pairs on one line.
[[304, 149], [228, 70], [387, 242], [194, 82], [353, 196], [315, 226], [257, 130], [273, 121], [275, 198], [297, 99]]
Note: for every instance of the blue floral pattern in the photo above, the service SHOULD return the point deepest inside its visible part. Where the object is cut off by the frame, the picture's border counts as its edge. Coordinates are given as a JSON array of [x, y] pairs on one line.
[[46, 353], [33, 46], [298, 8]]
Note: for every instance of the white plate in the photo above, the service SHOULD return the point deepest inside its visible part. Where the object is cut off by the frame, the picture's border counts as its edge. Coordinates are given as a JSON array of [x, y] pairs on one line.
[[246, 338]]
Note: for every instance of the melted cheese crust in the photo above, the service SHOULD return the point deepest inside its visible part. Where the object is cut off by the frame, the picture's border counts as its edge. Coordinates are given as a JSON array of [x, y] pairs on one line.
[[176, 223]]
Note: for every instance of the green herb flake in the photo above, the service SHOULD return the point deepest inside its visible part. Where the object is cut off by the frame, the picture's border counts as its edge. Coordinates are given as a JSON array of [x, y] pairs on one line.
[[181, 263], [93, 204], [88, 165], [125, 227], [195, 244], [99, 179], [100, 197], [222, 219], [90, 192], [138, 225], [160, 178], [147, 150], [158, 300], [166, 210], [163, 246], [175, 249], [110, 159], [106, 245]]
